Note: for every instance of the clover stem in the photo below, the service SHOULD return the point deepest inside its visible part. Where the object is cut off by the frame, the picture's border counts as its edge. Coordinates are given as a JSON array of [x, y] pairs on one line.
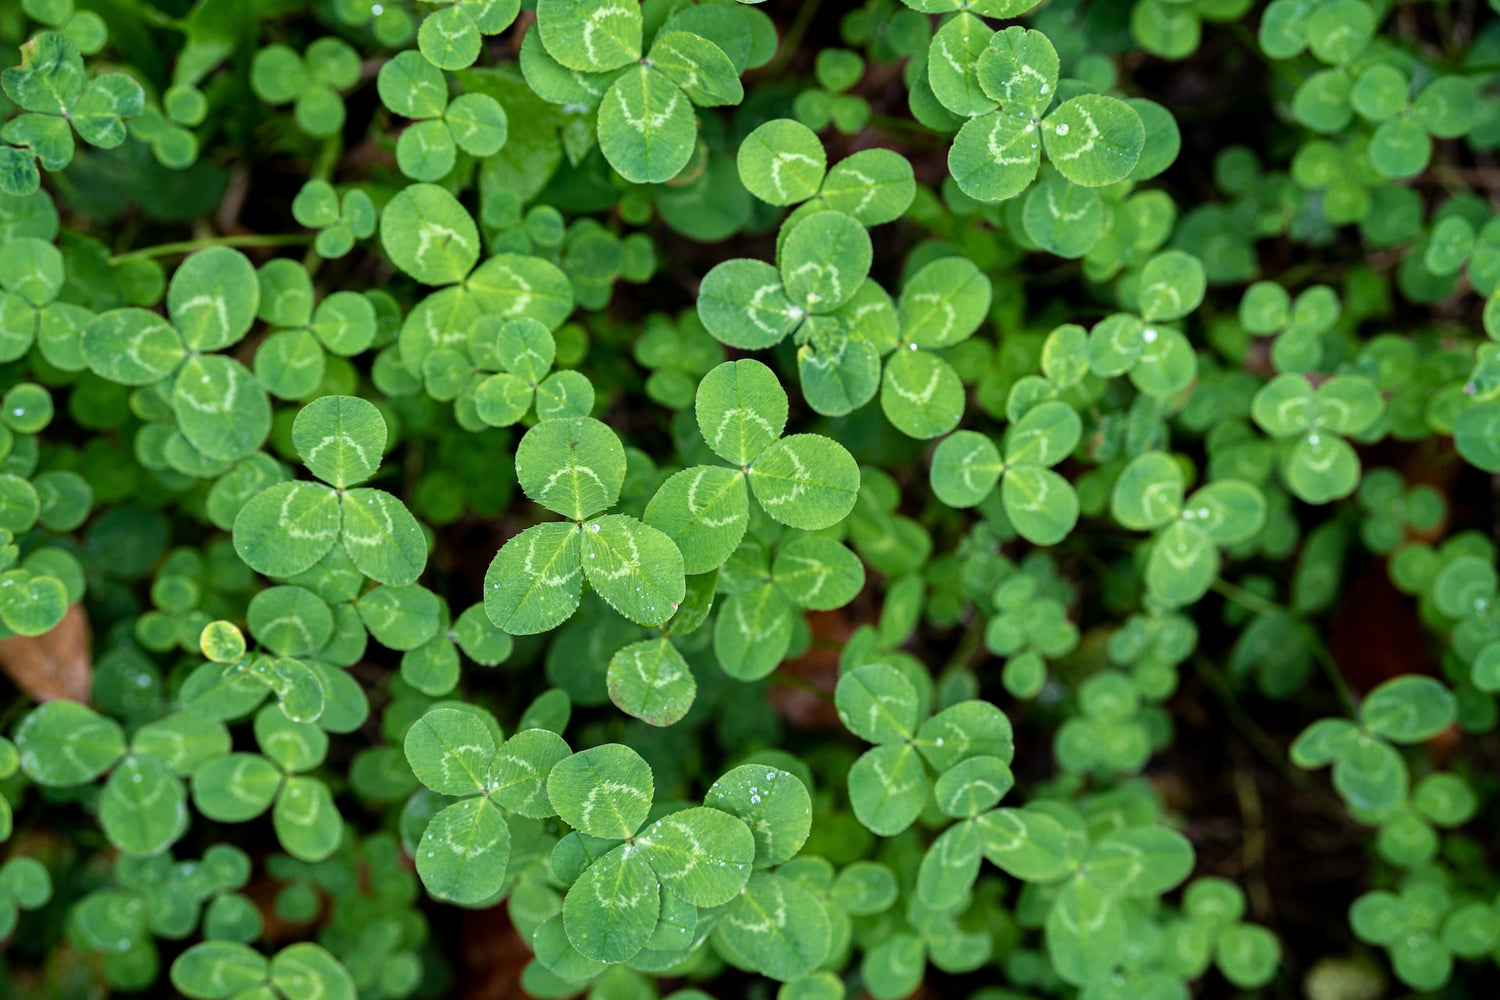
[[793, 38], [1251, 601], [188, 246]]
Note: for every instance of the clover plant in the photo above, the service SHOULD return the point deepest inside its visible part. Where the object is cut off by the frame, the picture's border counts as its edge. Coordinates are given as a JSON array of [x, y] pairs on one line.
[[706, 498]]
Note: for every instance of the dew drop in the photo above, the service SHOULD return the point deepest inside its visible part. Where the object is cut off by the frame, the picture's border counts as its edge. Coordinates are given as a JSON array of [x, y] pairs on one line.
[[1062, 129]]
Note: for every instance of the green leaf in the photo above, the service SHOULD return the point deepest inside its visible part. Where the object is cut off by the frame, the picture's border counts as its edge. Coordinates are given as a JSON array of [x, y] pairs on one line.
[[105, 101], [965, 467], [1045, 435], [1230, 512], [818, 573], [646, 126], [1094, 140], [63, 743], [888, 788], [131, 346], [449, 38], [1063, 218], [1032, 846], [1247, 955], [307, 822], [741, 302], [1171, 286], [702, 855], [50, 77], [1085, 932], [220, 408], [950, 866], [411, 86], [591, 36], [516, 287], [402, 617], [776, 927], [235, 788], [340, 439], [806, 481], [1149, 493], [215, 970], [952, 65], [308, 970], [478, 123], [705, 74], [143, 807], [604, 792], [1140, 862], [995, 156], [1040, 504], [429, 235], [611, 911], [1371, 777], [973, 785], [967, 729], [874, 186], [634, 567], [741, 410], [381, 537], [1320, 468], [877, 703], [1019, 68], [944, 303], [452, 752], [536, 579], [773, 803], [1409, 709], [823, 260], [290, 621], [1183, 564], [704, 511], [753, 632], [213, 298], [652, 682], [521, 769], [464, 852], [573, 466]]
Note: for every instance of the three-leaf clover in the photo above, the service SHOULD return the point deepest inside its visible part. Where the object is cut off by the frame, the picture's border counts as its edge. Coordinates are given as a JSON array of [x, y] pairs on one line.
[[311, 82], [1040, 503], [701, 856], [1319, 465], [888, 785], [451, 36], [287, 528], [646, 125], [1183, 563], [1004, 82], [56, 98], [237, 787], [339, 221], [215, 970], [1368, 773], [805, 481], [464, 852], [575, 466], [413, 87]]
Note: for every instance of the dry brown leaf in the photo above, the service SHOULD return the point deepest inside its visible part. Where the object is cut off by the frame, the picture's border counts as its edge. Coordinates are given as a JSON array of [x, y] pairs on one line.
[[57, 664]]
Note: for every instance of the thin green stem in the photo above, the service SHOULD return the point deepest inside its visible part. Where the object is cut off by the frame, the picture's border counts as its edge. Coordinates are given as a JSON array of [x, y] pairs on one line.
[[793, 38], [188, 246], [1253, 602], [1247, 599], [1258, 739]]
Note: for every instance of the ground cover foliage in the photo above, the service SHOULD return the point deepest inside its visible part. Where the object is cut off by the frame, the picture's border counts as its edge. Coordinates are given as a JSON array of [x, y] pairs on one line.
[[705, 499]]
